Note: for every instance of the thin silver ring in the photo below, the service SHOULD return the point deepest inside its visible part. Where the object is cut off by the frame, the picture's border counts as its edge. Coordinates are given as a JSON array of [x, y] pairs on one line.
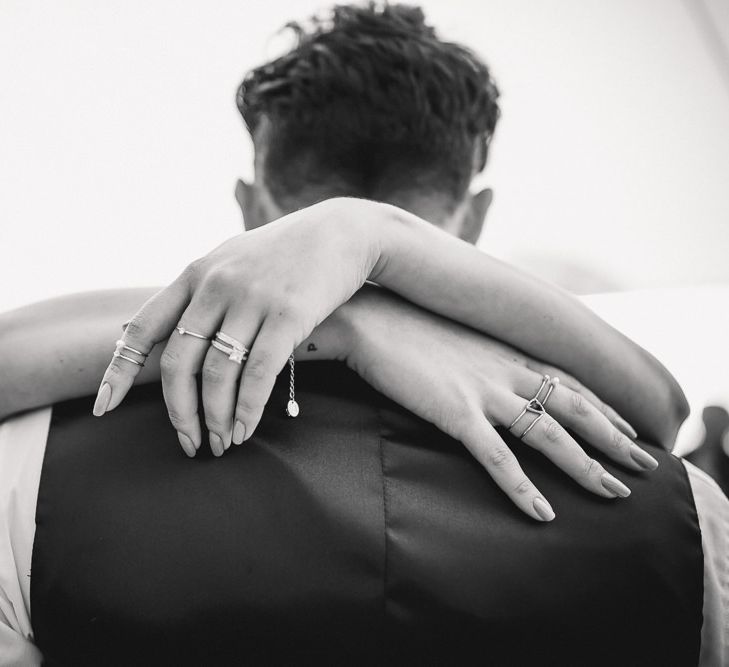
[[186, 332], [119, 355], [121, 345], [536, 406]]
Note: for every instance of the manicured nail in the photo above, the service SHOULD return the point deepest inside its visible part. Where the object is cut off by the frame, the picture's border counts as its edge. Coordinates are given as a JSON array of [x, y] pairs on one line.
[[642, 458], [186, 444], [614, 485], [626, 428], [102, 399], [216, 444], [239, 432], [543, 509]]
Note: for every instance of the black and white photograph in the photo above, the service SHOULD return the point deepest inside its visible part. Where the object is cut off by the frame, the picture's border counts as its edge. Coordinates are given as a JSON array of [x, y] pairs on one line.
[[364, 333]]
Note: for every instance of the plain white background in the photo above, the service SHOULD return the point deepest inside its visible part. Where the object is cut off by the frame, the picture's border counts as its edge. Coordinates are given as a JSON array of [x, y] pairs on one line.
[[120, 145]]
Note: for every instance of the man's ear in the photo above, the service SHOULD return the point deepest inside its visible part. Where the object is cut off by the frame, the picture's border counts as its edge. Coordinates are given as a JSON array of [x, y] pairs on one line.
[[247, 197], [473, 220]]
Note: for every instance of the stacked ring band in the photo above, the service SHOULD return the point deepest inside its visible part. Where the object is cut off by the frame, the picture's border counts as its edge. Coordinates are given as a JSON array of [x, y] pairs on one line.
[[535, 405], [235, 350], [122, 348]]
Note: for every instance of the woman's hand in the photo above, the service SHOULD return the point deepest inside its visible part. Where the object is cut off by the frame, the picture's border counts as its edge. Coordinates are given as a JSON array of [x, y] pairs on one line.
[[466, 383], [267, 289]]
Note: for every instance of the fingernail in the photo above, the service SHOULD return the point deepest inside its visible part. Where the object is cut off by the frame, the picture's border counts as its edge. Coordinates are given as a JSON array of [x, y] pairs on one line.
[[216, 444], [239, 432], [543, 509], [102, 399], [642, 458], [626, 428], [186, 444], [614, 485]]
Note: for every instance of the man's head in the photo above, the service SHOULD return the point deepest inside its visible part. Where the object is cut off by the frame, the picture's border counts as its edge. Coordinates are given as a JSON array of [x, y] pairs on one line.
[[370, 103]]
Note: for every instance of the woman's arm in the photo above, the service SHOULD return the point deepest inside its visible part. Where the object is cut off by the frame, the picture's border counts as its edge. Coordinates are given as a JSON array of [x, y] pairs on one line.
[[57, 349], [469, 382], [454, 279]]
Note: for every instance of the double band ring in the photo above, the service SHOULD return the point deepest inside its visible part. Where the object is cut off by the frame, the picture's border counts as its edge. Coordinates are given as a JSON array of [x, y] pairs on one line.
[[186, 332], [535, 405], [122, 348], [236, 351]]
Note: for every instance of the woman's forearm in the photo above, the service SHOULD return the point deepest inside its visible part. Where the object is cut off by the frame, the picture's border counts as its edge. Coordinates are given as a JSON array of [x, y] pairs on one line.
[[57, 349], [454, 279]]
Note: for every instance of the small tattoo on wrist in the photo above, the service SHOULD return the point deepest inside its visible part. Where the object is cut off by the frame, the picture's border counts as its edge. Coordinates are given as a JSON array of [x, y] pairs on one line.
[[311, 347]]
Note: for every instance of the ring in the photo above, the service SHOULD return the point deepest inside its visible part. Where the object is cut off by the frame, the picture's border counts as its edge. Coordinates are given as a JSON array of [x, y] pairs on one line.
[[230, 341], [234, 354], [121, 346], [535, 406], [186, 332]]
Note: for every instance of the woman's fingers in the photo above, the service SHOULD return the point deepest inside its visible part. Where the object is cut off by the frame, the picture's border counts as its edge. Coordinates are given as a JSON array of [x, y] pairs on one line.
[[541, 431], [482, 440], [568, 381], [152, 324], [220, 376], [271, 349], [581, 416], [180, 363]]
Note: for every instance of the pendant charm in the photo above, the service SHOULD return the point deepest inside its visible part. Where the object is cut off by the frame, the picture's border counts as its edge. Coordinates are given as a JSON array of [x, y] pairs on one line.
[[292, 409]]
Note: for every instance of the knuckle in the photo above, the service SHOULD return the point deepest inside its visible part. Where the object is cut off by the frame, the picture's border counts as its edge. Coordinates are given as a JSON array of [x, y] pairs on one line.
[[214, 424], [192, 271], [523, 487], [176, 418], [256, 293], [499, 456], [618, 441], [579, 405], [217, 281], [554, 432], [169, 363], [212, 373], [258, 367], [590, 467]]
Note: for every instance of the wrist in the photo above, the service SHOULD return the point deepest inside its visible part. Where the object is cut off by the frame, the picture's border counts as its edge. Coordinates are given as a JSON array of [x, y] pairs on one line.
[[392, 226], [373, 227]]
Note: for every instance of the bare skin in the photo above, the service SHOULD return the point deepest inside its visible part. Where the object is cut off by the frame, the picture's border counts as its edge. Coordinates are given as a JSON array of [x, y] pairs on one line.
[[470, 383]]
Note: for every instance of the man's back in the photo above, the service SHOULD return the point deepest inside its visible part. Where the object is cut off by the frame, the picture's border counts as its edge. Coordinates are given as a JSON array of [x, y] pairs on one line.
[[356, 533]]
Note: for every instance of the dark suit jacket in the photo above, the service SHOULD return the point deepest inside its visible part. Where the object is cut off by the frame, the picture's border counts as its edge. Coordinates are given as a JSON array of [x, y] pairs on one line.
[[355, 534]]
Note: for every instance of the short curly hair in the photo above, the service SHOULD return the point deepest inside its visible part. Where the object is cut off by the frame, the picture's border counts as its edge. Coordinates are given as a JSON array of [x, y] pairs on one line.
[[370, 102]]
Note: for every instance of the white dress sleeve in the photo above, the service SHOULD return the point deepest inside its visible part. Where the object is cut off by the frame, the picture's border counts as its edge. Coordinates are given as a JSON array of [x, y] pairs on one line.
[[22, 447]]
